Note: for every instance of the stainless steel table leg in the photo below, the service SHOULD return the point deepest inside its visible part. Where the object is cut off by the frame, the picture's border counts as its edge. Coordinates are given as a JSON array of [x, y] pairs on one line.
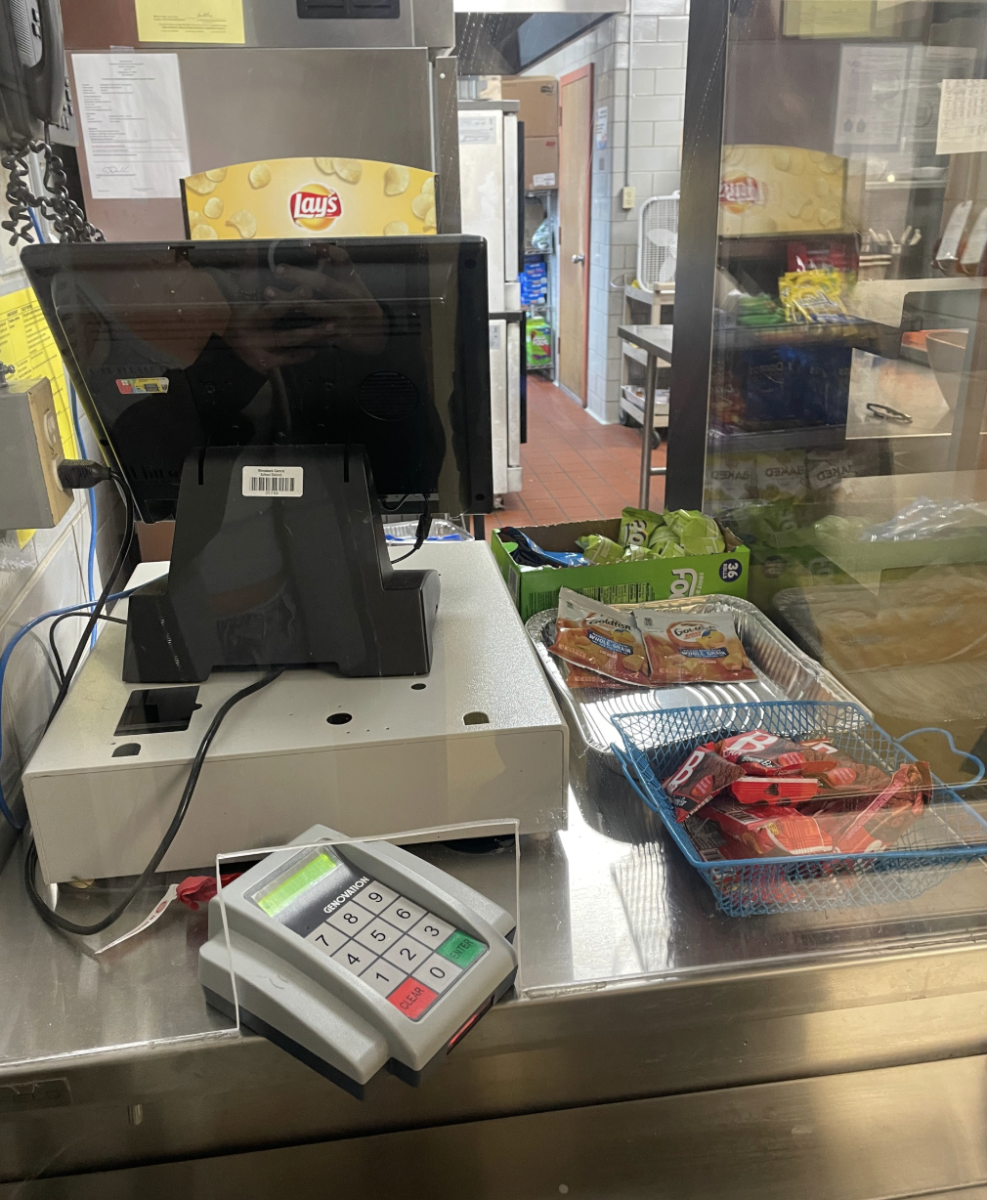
[[647, 429]]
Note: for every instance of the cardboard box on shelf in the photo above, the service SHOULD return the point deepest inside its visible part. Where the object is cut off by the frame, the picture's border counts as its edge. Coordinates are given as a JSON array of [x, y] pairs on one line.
[[538, 96], [541, 163], [537, 588]]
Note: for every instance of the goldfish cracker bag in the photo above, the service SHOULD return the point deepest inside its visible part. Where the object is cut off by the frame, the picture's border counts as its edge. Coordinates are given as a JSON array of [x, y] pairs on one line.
[[593, 635], [703, 648]]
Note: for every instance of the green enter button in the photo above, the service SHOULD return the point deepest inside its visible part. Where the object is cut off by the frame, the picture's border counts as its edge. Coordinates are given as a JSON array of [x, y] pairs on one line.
[[461, 949]]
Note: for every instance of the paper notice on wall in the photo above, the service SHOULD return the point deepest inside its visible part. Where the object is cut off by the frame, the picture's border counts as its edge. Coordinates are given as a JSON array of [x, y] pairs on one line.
[[26, 344], [477, 129], [190, 21], [133, 123], [601, 127], [962, 117]]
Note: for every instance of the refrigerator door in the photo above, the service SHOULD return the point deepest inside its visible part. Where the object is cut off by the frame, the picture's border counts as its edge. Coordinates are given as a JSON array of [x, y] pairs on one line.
[[513, 406], [499, 403]]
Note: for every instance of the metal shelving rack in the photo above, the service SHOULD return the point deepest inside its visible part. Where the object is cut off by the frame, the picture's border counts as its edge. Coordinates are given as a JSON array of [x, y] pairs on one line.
[[641, 307]]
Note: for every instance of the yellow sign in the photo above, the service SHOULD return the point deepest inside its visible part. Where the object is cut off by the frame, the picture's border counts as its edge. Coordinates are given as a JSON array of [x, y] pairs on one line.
[[190, 21], [302, 197], [27, 345]]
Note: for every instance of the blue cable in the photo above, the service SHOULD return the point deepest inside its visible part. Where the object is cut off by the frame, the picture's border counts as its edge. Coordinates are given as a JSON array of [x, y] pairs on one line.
[[5, 659], [90, 494]]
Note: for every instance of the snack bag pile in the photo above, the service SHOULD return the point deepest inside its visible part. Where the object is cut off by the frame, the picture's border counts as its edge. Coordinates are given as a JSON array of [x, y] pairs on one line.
[[645, 647], [759, 795], [672, 534], [814, 297]]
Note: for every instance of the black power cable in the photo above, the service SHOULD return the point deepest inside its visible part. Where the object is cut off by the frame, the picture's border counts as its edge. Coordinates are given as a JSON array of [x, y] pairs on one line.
[[118, 565], [58, 669], [421, 532], [31, 858]]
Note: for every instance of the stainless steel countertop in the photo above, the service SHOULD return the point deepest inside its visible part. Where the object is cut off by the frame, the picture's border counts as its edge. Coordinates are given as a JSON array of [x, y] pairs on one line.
[[654, 339], [597, 912]]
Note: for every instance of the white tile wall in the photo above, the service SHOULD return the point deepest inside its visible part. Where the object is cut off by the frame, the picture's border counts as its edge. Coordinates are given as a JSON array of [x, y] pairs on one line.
[[657, 75]]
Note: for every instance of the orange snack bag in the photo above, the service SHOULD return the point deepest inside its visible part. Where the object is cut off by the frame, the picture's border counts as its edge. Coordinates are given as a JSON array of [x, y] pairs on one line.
[[593, 635], [703, 648]]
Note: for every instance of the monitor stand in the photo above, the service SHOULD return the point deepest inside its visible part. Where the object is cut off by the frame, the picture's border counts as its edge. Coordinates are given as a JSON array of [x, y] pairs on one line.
[[280, 559]]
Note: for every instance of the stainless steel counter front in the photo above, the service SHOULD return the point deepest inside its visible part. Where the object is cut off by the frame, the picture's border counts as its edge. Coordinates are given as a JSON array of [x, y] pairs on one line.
[[633, 987]]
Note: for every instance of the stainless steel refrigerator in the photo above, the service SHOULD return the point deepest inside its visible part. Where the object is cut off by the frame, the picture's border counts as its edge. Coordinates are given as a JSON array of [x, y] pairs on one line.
[[363, 79], [492, 198]]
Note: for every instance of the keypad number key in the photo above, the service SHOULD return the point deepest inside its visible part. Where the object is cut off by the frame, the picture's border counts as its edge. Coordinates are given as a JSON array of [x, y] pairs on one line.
[[437, 972], [432, 930], [378, 936], [350, 919], [353, 958], [375, 897], [406, 954], [403, 914], [326, 939], [382, 977]]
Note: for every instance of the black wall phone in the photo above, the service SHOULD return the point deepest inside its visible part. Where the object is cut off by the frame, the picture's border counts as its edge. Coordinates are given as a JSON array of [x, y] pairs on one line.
[[32, 92]]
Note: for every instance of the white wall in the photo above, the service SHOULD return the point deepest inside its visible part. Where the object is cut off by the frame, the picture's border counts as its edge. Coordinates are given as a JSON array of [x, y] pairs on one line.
[[657, 78]]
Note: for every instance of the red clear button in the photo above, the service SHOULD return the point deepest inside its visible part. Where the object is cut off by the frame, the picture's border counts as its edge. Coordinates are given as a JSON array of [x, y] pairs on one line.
[[412, 998]]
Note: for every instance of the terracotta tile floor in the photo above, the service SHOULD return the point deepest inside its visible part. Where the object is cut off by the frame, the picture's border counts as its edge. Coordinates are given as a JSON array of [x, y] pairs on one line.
[[574, 468]]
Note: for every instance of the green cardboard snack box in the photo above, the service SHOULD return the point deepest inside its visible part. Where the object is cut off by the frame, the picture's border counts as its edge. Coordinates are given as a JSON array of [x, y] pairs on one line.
[[537, 588]]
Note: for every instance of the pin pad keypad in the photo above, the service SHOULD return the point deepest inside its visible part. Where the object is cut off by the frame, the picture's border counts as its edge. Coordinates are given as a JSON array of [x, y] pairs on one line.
[[405, 953]]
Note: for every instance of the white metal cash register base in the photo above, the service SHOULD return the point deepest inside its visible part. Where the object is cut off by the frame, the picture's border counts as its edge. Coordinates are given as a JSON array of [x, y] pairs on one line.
[[478, 738]]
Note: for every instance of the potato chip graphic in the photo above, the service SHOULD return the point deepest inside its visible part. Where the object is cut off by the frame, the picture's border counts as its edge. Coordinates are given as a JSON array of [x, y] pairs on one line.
[[245, 223], [200, 184], [204, 233], [217, 175], [396, 229], [259, 176], [350, 169], [396, 180], [213, 208]]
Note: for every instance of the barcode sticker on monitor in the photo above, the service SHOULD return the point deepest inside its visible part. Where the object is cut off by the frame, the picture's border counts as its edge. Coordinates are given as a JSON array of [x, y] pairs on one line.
[[283, 482]]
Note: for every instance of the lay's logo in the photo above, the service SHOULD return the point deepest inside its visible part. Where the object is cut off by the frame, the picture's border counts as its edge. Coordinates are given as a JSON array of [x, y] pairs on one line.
[[741, 193], [315, 206]]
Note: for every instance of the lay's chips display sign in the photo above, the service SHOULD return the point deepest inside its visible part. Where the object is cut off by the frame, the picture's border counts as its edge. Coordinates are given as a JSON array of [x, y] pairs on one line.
[[299, 197]]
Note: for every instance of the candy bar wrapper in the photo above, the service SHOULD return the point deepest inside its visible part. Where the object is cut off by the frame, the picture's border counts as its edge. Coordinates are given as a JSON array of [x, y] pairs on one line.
[[768, 830], [700, 649], [839, 776], [763, 753], [760, 789], [873, 823], [593, 635], [702, 776]]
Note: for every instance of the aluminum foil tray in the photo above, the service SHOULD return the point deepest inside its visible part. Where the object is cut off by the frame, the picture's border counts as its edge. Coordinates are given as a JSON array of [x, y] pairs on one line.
[[784, 672]]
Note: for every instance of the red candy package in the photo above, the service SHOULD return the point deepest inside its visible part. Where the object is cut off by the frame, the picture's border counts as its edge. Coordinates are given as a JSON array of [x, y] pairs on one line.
[[767, 830], [757, 789], [763, 753], [860, 825], [702, 776]]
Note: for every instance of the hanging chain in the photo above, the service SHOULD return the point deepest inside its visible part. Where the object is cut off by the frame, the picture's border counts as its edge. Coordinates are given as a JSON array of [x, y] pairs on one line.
[[55, 205]]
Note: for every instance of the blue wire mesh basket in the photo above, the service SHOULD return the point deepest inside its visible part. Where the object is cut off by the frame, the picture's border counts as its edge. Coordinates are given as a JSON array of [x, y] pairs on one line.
[[945, 838]]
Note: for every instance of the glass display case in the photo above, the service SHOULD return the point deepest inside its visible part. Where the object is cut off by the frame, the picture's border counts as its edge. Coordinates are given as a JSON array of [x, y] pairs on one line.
[[830, 376]]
